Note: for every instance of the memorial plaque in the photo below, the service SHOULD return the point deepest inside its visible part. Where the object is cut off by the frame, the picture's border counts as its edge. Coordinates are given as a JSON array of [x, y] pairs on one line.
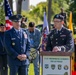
[[58, 63]]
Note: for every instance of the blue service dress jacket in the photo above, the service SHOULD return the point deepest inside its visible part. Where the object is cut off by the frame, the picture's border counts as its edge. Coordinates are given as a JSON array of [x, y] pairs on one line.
[[16, 44], [63, 40]]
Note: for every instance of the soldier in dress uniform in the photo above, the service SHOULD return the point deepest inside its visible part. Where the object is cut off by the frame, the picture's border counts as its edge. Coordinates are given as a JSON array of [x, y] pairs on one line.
[[60, 38], [17, 47], [3, 54]]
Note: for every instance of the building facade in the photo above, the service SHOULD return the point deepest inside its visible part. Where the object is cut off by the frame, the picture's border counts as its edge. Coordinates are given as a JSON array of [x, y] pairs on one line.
[[25, 5]]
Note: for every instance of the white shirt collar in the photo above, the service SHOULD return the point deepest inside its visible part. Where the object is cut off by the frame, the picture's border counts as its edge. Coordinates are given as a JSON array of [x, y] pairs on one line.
[[16, 30], [60, 29]]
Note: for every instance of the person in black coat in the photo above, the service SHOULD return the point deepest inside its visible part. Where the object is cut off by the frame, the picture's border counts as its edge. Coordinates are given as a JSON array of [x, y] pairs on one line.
[[3, 53]]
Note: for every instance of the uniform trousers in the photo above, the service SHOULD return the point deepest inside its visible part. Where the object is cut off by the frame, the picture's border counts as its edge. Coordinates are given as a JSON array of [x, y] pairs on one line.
[[18, 70], [3, 65]]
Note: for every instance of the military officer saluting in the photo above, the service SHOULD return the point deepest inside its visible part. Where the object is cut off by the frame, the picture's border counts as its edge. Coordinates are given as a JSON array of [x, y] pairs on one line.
[[60, 38], [17, 47]]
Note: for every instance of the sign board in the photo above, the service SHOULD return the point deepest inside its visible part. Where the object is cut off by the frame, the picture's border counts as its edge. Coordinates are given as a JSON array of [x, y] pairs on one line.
[[56, 64]]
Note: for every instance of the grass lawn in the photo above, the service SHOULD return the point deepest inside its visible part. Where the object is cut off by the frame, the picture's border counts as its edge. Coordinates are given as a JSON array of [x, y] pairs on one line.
[[74, 36], [31, 70]]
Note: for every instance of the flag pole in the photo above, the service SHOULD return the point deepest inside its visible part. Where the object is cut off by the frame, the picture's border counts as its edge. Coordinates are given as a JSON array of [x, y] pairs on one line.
[[71, 28], [45, 32], [8, 13], [40, 58]]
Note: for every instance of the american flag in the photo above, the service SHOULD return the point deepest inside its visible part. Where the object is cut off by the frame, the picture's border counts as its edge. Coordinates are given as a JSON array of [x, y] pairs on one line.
[[45, 32], [8, 13]]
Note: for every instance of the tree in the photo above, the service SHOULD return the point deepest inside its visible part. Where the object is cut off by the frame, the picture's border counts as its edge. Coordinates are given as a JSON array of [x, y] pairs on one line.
[[37, 12], [73, 9], [11, 4], [2, 15], [49, 12], [19, 6]]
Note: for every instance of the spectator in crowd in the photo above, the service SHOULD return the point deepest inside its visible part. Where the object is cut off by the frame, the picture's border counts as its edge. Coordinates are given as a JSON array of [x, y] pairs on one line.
[[64, 15], [60, 38], [34, 36], [17, 47], [3, 54], [23, 22]]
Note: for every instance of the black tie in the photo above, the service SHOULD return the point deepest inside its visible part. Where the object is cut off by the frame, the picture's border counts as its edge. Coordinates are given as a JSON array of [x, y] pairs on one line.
[[19, 33], [58, 32]]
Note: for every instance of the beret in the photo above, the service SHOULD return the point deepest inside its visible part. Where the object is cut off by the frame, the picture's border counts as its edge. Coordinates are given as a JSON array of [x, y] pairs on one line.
[[58, 16]]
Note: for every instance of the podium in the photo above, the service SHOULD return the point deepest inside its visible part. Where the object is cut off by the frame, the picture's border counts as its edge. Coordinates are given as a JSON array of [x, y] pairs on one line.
[[56, 63]]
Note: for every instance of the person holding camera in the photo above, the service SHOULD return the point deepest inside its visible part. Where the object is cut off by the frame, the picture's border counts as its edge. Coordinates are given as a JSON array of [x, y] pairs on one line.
[[23, 22]]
